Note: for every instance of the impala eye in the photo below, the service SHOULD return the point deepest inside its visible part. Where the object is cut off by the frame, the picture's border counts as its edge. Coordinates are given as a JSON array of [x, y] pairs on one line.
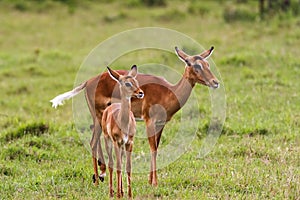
[[128, 84]]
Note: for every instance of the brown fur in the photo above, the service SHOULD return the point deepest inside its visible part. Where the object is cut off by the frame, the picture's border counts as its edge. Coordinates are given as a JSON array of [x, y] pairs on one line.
[[162, 100], [157, 90]]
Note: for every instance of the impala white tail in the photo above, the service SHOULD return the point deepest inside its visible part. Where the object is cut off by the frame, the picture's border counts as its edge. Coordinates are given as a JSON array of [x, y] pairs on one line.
[[59, 100]]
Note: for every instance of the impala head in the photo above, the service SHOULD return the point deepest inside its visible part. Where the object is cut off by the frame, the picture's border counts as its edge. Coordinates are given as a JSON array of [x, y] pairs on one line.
[[128, 84], [197, 68]]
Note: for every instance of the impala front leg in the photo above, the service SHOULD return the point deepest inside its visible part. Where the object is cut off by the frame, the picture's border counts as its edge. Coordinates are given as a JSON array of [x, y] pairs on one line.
[[153, 175], [128, 167], [120, 192], [154, 134]]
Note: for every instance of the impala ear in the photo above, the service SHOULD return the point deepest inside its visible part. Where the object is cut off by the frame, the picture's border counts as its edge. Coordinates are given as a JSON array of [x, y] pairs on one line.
[[133, 71], [113, 74], [183, 56], [207, 53]]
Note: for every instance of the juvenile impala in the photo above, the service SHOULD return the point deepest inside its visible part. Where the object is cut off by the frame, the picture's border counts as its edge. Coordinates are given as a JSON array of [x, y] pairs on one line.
[[118, 125], [170, 98]]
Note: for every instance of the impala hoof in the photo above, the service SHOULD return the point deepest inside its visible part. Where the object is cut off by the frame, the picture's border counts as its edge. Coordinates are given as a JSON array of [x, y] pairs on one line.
[[154, 184], [101, 178], [95, 181], [94, 178], [111, 195], [119, 196]]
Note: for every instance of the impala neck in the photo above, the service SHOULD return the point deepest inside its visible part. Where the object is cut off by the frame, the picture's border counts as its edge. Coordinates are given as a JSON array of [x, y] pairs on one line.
[[183, 89], [124, 114]]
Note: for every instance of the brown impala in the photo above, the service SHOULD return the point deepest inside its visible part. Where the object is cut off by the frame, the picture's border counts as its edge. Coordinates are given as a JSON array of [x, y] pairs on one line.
[[119, 127], [99, 92]]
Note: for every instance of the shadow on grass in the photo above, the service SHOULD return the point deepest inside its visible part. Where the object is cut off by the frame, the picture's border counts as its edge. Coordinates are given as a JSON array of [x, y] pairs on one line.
[[202, 132], [33, 129]]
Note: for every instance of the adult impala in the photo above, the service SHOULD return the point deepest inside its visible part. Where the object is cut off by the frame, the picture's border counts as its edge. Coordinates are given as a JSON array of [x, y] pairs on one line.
[[162, 100]]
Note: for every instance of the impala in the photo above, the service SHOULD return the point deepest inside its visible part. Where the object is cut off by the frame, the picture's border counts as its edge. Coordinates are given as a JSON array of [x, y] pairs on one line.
[[170, 98], [118, 125]]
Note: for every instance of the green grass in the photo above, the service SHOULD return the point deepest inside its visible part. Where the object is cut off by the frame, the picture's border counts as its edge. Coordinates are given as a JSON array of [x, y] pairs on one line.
[[42, 156]]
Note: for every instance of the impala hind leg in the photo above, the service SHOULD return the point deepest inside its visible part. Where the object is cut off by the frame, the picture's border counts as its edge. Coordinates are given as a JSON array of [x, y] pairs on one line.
[[97, 152]]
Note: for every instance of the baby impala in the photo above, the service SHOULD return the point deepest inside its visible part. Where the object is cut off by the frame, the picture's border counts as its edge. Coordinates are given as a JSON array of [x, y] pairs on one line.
[[119, 127]]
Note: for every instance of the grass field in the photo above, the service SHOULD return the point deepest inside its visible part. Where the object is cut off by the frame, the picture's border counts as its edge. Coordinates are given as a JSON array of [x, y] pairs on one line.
[[42, 46]]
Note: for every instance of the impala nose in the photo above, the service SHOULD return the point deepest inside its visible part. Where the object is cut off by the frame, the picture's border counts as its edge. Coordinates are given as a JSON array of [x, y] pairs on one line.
[[215, 84]]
